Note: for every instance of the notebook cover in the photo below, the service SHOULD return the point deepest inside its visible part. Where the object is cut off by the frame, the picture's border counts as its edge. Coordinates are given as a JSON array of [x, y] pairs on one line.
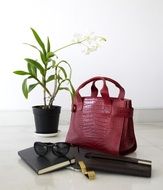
[[44, 164], [99, 161]]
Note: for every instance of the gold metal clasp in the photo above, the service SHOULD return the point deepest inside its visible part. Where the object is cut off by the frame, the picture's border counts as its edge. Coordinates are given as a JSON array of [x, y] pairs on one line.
[[89, 174]]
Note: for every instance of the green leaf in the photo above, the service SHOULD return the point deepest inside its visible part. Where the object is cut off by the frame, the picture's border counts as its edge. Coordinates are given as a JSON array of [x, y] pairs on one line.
[[38, 39], [32, 69], [63, 71], [48, 45], [65, 88], [65, 62], [50, 78], [21, 72], [25, 88], [49, 55], [36, 64], [43, 57], [70, 89], [32, 86], [54, 63], [32, 46]]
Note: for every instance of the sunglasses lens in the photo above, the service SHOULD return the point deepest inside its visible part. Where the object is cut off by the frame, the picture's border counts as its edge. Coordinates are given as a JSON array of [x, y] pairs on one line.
[[40, 149], [61, 149]]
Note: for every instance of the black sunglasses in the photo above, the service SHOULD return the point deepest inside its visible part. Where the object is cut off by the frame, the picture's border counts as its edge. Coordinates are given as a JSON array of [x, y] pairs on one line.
[[58, 149]]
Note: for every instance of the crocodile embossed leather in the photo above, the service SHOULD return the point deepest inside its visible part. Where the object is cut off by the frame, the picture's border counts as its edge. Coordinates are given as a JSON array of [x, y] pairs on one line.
[[102, 122]]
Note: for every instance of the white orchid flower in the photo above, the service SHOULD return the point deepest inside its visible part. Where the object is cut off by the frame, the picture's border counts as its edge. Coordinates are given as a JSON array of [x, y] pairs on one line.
[[89, 42]]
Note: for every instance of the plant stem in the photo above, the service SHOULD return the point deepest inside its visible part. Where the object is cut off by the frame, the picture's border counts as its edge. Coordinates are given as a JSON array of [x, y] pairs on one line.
[[44, 87], [55, 90], [73, 43], [44, 92], [44, 83]]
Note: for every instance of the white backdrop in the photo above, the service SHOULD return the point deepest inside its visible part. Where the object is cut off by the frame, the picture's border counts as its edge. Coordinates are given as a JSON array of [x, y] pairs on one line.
[[132, 55]]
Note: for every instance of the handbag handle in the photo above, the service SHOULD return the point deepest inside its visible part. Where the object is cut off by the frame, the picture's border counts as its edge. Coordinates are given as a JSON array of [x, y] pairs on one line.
[[95, 90], [104, 90]]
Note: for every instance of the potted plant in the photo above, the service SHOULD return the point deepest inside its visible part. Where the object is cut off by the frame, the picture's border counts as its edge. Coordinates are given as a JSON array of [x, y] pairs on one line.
[[48, 68]]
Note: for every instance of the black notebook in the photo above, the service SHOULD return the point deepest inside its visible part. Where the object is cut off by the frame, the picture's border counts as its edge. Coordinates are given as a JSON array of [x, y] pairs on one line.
[[103, 162], [46, 164]]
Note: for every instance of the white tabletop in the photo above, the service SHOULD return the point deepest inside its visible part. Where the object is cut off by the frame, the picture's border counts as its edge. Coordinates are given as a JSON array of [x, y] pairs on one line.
[[15, 174]]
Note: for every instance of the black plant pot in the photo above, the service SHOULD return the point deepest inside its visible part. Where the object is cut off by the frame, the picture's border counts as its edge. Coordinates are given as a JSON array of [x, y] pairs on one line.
[[46, 120]]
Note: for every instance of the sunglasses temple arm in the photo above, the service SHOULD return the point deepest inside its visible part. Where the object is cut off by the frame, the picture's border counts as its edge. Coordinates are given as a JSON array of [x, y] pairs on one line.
[[68, 159]]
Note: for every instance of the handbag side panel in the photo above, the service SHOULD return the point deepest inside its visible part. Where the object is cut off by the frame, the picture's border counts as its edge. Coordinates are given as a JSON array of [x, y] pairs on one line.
[[128, 140], [96, 125]]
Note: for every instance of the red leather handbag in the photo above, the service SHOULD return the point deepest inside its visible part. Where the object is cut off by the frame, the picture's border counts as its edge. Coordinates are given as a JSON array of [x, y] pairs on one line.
[[103, 123]]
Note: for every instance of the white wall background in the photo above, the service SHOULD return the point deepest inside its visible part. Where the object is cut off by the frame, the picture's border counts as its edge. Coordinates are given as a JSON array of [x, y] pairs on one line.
[[132, 55]]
